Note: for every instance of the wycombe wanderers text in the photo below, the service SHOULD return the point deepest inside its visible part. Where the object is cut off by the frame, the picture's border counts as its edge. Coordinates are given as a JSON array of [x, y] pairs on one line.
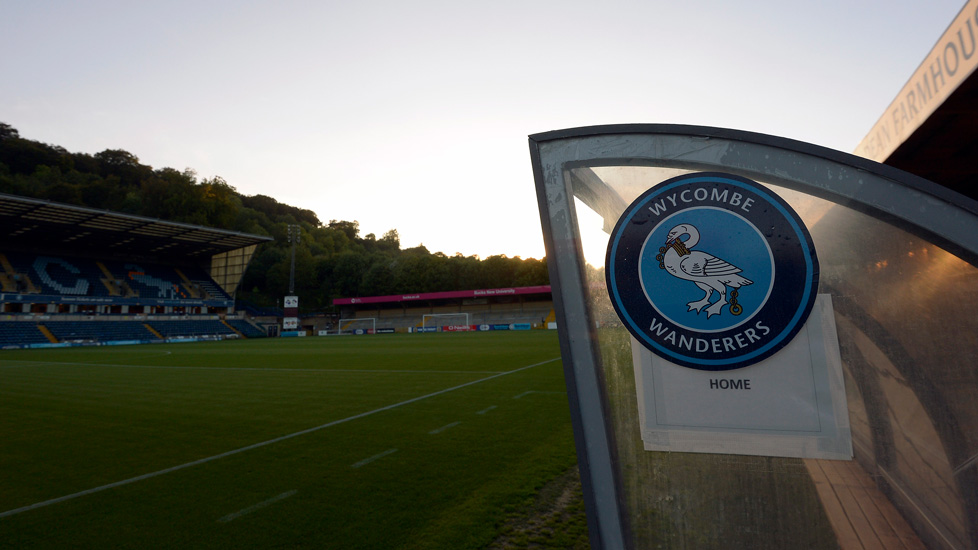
[[701, 194], [739, 340]]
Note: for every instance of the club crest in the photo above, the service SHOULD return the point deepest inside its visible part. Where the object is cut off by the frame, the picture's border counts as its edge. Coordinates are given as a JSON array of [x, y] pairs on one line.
[[711, 271]]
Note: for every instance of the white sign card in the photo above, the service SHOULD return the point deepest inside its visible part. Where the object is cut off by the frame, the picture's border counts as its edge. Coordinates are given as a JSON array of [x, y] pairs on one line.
[[791, 404]]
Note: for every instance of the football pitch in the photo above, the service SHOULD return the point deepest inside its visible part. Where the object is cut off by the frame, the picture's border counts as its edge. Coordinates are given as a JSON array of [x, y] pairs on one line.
[[385, 441]]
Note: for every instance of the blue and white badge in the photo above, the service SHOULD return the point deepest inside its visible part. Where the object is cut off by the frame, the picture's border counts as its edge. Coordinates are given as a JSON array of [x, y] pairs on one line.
[[711, 271]]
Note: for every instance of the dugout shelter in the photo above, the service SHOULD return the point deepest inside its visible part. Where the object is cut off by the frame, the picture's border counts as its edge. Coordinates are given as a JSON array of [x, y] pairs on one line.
[[896, 230]]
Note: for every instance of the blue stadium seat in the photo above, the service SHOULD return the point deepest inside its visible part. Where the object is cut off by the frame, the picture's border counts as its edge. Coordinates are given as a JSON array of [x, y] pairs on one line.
[[74, 277], [246, 328], [99, 331], [170, 329], [17, 333]]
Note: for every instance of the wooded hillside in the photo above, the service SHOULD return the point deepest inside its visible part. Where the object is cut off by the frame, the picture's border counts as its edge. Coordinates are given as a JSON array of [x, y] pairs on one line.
[[332, 259]]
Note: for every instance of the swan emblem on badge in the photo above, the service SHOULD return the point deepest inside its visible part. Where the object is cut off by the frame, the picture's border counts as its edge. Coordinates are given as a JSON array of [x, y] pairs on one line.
[[711, 271], [706, 271]]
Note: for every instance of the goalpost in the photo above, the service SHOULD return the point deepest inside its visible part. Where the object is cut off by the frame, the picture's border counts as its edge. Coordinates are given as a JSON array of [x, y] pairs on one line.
[[457, 316], [357, 325]]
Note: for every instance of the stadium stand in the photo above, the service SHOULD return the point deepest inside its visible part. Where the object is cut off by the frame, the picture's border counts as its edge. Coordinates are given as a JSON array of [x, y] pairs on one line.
[[255, 311], [172, 329], [108, 329], [62, 276], [14, 333], [87, 331], [524, 306], [245, 328], [78, 276]]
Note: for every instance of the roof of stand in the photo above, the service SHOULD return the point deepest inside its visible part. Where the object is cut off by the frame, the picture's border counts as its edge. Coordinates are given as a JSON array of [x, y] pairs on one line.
[[29, 224], [931, 127]]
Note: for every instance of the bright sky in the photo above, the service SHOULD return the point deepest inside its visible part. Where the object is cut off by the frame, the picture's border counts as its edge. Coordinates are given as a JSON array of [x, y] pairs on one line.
[[415, 115]]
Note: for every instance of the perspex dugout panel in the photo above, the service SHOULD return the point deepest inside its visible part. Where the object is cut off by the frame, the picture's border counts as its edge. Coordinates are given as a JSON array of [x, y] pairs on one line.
[[898, 288]]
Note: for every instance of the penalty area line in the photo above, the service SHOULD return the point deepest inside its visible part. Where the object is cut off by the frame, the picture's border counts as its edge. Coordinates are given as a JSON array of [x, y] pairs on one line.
[[437, 431], [261, 444], [258, 506], [524, 394], [377, 456]]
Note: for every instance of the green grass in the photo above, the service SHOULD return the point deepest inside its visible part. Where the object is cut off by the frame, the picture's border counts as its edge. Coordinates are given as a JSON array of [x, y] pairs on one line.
[[76, 419]]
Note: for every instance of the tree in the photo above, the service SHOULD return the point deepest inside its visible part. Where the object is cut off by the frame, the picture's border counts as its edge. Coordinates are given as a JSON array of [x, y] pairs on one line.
[[169, 196], [116, 158], [348, 272], [23, 156], [466, 272], [500, 270], [221, 201], [531, 272], [390, 242], [277, 211], [7, 131], [125, 165], [352, 229], [379, 278], [421, 273], [62, 192]]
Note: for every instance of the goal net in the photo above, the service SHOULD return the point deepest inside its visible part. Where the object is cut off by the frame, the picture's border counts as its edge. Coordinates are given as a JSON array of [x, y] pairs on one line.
[[438, 320], [358, 325]]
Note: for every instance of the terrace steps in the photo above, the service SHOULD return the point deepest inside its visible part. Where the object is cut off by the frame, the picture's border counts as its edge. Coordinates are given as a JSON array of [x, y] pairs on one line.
[[111, 283], [187, 284], [9, 269], [47, 334], [153, 331], [236, 331], [7, 284], [11, 277]]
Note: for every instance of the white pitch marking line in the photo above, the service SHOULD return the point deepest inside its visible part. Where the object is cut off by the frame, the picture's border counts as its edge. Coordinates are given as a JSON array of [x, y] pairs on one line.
[[368, 460], [258, 506], [485, 410], [257, 369], [524, 394], [443, 428], [263, 443]]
